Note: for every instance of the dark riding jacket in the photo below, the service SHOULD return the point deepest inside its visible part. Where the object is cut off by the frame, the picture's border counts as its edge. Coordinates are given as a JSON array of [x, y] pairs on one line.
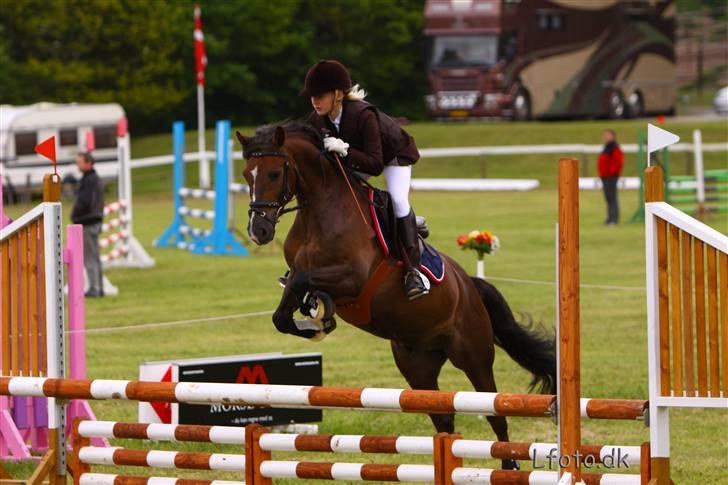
[[89, 205], [374, 139]]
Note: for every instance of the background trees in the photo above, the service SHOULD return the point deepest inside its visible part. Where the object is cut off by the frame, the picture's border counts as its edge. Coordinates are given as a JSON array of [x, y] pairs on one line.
[[140, 54]]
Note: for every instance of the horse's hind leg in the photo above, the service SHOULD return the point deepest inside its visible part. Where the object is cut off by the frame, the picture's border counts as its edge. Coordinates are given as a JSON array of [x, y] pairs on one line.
[[474, 356], [421, 368]]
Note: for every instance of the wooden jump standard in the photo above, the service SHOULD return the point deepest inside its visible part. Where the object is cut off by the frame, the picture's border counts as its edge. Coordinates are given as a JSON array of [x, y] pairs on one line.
[[687, 317], [32, 320]]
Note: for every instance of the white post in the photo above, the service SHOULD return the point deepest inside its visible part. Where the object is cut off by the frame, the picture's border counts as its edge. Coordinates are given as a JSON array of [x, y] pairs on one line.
[[699, 172], [480, 272], [55, 327], [124, 183], [204, 164]]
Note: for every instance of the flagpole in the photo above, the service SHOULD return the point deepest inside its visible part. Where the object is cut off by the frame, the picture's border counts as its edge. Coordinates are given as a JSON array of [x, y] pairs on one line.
[[200, 64], [204, 163]]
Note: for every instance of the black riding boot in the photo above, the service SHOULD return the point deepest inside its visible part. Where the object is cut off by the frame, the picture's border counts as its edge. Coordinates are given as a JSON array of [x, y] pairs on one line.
[[414, 286]]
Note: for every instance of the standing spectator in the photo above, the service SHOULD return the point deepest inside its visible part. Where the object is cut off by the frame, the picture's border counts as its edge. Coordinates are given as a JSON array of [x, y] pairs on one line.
[[610, 165], [88, 210]]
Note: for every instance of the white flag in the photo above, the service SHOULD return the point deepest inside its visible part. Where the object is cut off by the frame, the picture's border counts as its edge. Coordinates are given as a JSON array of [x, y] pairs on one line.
[[657, 138]]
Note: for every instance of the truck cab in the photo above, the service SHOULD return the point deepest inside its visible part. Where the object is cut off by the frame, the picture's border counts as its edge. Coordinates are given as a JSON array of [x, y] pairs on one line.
[[467, 51]]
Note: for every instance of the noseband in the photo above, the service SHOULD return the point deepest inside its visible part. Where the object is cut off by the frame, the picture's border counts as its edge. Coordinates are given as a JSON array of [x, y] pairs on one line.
[[258, 207]]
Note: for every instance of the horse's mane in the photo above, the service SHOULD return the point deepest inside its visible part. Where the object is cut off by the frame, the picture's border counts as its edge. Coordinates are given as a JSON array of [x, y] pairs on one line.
[[263, 138], [264, 134]]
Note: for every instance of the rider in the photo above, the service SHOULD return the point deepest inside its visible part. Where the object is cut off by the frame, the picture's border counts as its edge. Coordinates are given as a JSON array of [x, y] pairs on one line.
[[370, 142]]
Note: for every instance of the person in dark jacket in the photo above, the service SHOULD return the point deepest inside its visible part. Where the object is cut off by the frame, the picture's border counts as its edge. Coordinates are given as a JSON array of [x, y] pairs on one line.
[[610, 165], [369, 142], [88, 210]]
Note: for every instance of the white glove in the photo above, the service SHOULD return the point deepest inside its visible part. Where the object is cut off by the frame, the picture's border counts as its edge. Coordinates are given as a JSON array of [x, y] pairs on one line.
[[337, 145]]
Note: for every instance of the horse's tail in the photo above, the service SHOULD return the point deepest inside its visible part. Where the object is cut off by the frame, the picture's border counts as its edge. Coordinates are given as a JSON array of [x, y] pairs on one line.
[[532, 348]]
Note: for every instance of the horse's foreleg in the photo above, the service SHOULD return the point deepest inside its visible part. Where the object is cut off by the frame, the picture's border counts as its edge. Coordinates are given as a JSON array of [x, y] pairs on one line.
[[283, 316], [421, 368], [325, 285], [337, 281]]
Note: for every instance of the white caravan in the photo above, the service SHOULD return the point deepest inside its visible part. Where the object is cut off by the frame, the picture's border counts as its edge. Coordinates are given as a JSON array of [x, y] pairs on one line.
[[23, 127]]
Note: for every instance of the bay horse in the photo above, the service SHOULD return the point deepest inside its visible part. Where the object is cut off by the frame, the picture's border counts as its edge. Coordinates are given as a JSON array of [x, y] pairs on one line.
[[333, 254]]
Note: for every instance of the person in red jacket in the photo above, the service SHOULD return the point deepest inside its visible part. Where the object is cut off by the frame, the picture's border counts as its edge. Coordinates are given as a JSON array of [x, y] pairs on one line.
[[610, 165]]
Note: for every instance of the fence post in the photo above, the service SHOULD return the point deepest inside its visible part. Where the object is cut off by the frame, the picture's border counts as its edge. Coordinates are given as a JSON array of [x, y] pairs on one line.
[[569, 406], [254, 456], [654, 184]]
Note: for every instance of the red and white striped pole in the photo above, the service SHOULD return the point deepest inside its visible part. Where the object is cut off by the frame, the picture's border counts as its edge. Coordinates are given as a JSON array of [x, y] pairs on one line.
[[200, 65]]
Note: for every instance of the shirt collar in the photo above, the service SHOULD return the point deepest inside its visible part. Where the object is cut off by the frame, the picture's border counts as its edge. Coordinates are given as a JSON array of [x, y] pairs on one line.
[[337, 121]]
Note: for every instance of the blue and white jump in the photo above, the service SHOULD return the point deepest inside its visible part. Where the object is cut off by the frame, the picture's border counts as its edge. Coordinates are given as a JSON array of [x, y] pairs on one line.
[[219, 240]]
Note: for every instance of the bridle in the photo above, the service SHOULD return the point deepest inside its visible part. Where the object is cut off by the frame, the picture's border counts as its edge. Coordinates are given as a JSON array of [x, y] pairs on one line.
[[284, 196]]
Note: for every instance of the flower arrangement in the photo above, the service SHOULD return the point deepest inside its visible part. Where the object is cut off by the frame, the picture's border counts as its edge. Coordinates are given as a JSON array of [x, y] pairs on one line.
[[482, 242]]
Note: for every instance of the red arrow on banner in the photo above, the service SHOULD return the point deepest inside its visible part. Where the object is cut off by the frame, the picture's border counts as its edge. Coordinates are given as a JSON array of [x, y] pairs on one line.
[[164, 409], [47, 149]]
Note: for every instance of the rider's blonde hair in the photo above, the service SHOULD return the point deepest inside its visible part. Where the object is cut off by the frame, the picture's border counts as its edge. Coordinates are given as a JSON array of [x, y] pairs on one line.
[[356, 93]]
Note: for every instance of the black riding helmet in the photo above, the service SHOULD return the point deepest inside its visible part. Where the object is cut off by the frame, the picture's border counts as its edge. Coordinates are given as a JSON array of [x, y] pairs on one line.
[[325, 76]]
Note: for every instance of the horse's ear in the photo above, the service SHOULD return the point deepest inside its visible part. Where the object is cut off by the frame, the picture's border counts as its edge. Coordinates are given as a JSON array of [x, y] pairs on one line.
[[242, 139], [279, 138]]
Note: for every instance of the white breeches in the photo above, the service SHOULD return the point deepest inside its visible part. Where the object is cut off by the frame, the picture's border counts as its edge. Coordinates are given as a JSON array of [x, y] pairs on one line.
[[398, 185]]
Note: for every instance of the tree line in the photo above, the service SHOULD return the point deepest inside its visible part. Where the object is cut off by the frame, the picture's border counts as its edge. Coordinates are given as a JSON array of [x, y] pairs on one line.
[[140, 54]]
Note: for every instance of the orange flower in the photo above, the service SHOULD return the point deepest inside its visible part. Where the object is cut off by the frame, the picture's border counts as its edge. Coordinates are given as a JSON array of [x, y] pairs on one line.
[[462, 239]]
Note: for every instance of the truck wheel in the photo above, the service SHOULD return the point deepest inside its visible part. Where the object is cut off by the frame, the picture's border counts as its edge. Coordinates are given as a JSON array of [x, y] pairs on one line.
[[636, 105], [617, 108], [521, 106]]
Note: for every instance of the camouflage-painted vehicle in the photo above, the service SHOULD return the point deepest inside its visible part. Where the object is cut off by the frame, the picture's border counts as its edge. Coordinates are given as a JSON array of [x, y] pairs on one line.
[[524, 59]]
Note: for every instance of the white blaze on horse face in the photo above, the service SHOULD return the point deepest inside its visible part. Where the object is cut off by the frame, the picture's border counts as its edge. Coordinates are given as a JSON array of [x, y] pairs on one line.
[[253, 174]]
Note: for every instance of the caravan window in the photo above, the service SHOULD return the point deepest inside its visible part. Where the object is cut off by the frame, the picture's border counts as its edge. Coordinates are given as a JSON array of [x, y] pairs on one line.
[[69, 137], [105, 136], [25, 143]]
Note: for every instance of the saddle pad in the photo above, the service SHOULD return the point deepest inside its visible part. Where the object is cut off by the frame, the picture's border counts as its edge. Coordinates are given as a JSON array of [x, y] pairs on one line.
[[431, 262]]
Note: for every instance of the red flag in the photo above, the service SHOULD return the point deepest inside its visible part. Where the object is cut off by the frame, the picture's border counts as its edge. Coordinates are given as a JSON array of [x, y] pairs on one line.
[[47, 149], [200, 56]]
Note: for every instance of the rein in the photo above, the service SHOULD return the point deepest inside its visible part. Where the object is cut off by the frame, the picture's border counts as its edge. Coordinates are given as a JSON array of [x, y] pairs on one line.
[[351, 189]]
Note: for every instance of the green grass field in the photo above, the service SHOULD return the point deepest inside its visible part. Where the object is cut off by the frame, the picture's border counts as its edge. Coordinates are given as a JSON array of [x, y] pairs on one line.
[[614, 355]]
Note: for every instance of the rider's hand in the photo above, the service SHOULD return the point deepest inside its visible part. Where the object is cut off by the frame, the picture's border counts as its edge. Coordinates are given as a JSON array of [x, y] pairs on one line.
[[337, 145]]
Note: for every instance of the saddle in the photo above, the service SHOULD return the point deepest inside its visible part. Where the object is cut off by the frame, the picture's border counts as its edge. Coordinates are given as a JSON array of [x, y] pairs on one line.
[[385, 228]]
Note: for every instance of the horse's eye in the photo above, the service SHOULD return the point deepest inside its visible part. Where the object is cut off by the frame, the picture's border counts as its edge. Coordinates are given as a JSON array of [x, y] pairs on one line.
[[274, 175]]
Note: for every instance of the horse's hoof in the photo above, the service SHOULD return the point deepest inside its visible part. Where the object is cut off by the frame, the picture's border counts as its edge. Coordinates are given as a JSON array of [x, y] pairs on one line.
[[322, 306], [309, 325], [510, 465], [318, 336]]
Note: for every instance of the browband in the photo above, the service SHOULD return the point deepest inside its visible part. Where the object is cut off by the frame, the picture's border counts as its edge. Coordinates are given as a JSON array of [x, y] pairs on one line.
[[267, 154]]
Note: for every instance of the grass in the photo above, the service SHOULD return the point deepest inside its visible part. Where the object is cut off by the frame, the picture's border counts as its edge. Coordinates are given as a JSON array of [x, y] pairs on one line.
[[614, 358]]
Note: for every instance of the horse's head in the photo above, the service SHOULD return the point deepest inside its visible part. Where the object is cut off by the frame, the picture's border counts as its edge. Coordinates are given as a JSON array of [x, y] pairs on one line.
[[271, 178]]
